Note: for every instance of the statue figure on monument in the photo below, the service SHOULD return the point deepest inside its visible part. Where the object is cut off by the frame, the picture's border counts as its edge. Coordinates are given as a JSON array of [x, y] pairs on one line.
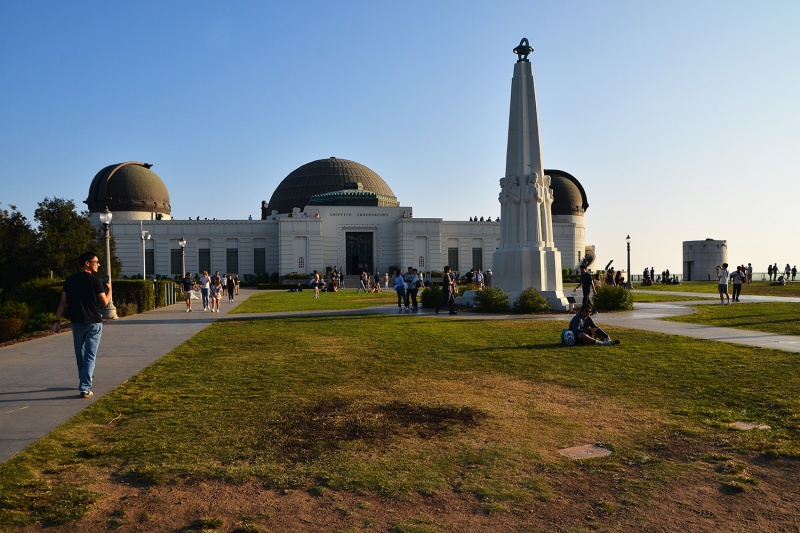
[[532, 211], [513, 197]]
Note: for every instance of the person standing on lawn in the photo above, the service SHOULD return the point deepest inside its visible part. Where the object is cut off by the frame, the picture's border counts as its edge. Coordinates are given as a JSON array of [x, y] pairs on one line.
[[722, 276], [448, 292], [84, 294], [738, 277]]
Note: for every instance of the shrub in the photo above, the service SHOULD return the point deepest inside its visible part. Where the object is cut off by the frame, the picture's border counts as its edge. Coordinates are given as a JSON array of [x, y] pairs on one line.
[[530, 301], [609, 298], [431, 296], [41, 322], [491, 300], [12, 309], [11, 328]]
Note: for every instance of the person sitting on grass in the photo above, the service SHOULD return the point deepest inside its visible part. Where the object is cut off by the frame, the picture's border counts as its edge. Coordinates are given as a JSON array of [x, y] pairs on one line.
[[586, 331]]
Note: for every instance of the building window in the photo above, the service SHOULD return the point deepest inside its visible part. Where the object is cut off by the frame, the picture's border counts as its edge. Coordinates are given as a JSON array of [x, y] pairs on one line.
[[175, 263], [452, 259], [301, 263], [232, 260], [422, 261], [477, 258], [204, 259], [150, 262], [259, 260]]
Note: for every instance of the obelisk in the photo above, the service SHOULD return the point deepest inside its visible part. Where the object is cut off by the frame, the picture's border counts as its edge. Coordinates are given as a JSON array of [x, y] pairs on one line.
[[527, 256]]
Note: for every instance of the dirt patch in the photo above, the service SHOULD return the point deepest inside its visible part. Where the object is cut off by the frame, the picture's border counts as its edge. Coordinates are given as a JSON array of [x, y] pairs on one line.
[[582, 500]]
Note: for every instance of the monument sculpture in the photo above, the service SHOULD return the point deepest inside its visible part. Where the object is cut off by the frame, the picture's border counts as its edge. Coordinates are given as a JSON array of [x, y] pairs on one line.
[[527, 256]]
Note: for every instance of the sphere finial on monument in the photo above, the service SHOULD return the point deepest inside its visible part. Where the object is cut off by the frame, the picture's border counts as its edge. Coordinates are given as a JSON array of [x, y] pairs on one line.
[[523, 50]]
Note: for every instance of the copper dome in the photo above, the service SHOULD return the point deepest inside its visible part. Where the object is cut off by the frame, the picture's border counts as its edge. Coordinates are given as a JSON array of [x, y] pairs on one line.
[[569, 198], [128, 186], [326, 176]]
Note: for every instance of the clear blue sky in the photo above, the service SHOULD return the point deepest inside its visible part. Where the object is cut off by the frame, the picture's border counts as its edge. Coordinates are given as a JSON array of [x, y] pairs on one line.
[[679, 118]]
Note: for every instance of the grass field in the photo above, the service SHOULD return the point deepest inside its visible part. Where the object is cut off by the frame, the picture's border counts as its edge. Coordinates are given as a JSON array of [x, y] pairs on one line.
[[772, 317], [399, 407], [757, 288]]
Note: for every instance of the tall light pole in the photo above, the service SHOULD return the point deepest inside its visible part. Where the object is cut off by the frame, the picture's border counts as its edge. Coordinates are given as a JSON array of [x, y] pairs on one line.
[[145, 238], [109, 311], [628, 241], [182, 242]]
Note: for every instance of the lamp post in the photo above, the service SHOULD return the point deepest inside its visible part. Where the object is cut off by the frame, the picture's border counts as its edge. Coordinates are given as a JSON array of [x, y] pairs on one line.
[[145, 238], [109, 311], [628, 241], [182, 242]]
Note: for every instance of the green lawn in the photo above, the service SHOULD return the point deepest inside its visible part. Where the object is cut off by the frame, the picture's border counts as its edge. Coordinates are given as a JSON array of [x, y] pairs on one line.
[[657, 296], [282, 301], [758, 288], [772, 317], [400, 405]]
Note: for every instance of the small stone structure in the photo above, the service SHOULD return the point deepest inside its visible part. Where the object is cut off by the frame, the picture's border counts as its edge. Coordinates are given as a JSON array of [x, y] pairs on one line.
[[701, 258]]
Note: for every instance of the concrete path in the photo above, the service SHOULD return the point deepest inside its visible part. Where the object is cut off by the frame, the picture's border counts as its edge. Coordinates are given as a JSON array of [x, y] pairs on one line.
[[38, 378]]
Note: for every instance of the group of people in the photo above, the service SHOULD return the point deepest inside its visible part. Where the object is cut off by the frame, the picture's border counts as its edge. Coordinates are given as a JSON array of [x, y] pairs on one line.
[[407, 286], [212, 289], [489, 219], [774, 272]]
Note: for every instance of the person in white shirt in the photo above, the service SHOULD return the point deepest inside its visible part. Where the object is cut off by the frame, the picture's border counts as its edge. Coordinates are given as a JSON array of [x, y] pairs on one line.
[[722, 276]]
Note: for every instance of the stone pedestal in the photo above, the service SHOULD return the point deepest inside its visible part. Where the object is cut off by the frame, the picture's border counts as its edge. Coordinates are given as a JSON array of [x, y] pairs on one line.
[[516, 270]]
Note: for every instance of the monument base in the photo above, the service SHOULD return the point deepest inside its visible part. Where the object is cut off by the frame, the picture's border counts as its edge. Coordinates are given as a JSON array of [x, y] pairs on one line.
[[517, 269]]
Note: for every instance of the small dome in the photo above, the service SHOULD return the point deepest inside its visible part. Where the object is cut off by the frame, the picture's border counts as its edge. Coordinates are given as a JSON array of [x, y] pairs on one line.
[[128, 187], [327, 176], [569, 198]]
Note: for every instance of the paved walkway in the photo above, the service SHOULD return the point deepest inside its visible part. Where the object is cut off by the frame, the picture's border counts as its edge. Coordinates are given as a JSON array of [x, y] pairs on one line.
[[38, 378]]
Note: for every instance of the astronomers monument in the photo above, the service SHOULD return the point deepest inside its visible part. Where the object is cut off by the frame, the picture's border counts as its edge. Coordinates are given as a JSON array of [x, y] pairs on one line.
[[527, 256]]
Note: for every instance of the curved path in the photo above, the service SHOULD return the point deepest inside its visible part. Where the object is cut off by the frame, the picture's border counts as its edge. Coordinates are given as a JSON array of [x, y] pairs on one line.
[[38, 378]]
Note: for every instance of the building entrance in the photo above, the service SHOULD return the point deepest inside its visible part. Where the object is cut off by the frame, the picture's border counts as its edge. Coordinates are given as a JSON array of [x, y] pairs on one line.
[[359, 252]]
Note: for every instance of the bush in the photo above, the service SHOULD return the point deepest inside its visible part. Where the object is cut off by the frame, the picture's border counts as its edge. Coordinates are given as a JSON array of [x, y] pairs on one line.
[[41, 321], [41, 294], [11, 328], [11, 309], [610, 298], [430, 296], [530, 301], [491, 300]]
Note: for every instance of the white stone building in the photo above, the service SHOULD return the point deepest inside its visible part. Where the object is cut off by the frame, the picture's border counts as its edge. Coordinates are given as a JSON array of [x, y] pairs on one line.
[[330, 213]]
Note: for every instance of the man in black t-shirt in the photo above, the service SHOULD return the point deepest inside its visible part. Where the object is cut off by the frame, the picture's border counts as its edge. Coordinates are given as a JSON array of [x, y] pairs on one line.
[[187, 284], [587, 284], [84, 293]]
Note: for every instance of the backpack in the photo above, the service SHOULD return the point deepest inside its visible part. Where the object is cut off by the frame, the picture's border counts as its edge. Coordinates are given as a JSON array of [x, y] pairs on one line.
[[568, 337]]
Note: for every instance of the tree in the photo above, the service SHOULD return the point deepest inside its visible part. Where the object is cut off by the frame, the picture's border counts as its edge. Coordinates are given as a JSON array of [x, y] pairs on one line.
[[64, 235], [18, 247]]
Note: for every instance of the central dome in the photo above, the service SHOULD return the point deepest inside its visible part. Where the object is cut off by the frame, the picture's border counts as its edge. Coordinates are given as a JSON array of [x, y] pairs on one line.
[[326, 176]]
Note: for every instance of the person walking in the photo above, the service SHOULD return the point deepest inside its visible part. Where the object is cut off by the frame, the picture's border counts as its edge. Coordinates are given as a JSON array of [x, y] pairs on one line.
[[215, 290], [84, 294], [722, 276], [186, 285], [205, 284], [231, 288], [587, 284], [448, 292]]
